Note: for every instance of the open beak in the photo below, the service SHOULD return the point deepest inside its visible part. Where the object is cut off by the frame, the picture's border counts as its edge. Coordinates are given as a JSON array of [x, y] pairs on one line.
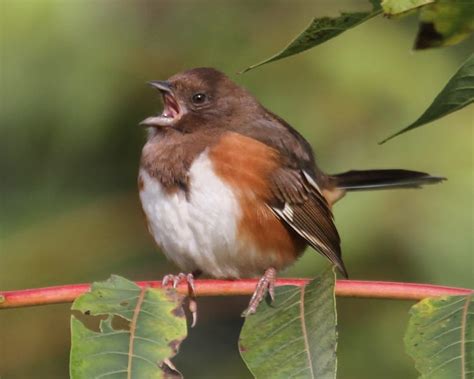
[[161, 85], [172, 111]]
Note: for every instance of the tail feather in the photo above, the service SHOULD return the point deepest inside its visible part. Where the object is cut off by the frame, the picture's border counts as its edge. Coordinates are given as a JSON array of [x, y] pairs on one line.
[[382, 179]]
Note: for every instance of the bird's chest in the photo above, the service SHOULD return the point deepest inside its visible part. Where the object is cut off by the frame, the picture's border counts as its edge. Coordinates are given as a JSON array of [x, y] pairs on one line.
[[219, 221], [196, 229]]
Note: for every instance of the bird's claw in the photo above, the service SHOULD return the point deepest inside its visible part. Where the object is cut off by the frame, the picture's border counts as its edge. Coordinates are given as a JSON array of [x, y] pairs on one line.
[[265, 285], [175, 280]]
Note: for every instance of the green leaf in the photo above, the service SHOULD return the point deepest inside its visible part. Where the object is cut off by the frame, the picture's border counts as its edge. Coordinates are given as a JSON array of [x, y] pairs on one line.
[[321, 30], [140, 330], [296, 336], [457, 93], [440, 337], [444, 23], [398, 7]]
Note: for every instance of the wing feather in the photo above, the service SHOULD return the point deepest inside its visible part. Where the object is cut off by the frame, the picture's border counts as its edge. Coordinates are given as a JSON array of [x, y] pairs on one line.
[[303, 208], [296, 195]]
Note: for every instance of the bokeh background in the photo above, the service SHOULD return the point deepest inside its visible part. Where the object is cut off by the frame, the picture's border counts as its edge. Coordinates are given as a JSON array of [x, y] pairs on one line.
[[73, 90]]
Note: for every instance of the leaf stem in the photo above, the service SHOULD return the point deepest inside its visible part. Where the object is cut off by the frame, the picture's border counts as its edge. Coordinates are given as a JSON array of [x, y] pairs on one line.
[[208, 287]]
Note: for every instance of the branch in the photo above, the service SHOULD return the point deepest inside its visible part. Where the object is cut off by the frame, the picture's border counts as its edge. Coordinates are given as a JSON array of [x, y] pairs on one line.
[[344, 288]]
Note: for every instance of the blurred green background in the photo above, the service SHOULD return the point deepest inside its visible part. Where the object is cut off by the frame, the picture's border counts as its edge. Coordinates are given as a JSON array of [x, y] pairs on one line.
[[73, 90]]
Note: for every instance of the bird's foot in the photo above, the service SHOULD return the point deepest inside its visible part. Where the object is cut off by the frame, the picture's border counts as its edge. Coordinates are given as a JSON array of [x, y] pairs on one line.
[[189, 279], [265, 285]]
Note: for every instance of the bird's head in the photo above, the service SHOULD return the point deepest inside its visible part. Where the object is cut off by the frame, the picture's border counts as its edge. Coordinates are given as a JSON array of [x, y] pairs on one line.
[[203, 94]]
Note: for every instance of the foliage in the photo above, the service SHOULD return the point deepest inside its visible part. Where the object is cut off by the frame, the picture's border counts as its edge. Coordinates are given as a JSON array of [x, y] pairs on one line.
[[296, 336], [458, 93], [320, 30], [75, 102], [140, 330], [440, 337], [400, 7], [445, 23], [442, 23]]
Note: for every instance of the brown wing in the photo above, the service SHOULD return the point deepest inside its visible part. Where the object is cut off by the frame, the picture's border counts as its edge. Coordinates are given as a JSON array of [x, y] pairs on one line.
[[303, 208], [298, 200]]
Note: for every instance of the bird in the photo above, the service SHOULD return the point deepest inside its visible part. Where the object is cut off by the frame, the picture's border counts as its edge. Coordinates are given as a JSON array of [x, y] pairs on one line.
[[231, 190]]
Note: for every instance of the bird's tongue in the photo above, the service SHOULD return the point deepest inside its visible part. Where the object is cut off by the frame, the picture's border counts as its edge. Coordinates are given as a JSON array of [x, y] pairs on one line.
[[171, 107]]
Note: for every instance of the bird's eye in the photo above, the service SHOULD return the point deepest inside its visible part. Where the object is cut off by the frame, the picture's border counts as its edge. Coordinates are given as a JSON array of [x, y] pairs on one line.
[[199, 98]]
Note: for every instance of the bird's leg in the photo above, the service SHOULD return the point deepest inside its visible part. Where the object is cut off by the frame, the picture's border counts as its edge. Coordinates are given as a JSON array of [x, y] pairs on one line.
[[265, 285], [189, 278]]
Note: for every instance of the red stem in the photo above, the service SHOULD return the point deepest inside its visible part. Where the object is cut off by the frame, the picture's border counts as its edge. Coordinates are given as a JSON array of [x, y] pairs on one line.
[[344, 288]]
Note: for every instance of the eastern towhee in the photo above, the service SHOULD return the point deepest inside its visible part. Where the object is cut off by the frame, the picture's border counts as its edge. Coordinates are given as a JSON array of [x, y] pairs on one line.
[[230, 190]]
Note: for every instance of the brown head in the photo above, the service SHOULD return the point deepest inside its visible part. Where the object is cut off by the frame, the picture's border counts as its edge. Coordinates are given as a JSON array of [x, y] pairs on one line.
[[199, 96]]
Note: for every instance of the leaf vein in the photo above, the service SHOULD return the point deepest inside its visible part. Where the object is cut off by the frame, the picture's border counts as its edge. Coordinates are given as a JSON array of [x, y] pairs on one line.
[[283, 326], [305, 332], [109, 373], [133, 329], [463, 335], [442, 318], [441, 365], [299, 371]]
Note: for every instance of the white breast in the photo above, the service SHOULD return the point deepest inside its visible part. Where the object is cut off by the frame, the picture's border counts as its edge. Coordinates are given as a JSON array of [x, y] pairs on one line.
[[200, 231]]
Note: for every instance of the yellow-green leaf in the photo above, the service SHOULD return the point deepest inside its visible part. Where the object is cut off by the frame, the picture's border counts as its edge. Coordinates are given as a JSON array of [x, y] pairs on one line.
[[444, 23], [398, 7], [296, 336], [440, 337], [140, 330]]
